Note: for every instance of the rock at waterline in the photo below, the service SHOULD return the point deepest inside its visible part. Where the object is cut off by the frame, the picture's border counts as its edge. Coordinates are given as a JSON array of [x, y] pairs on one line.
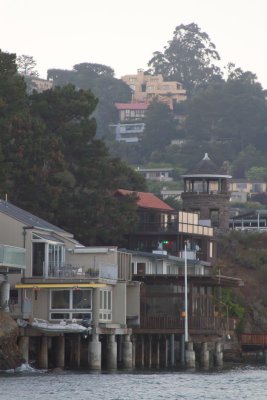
[[10, 356]]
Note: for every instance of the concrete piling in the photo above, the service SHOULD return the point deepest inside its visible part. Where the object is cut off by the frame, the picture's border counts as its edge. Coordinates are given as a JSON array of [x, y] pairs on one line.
[[94, 353], [218, 355], [127, 353], [204, 356], [190, 357], [111, 352]]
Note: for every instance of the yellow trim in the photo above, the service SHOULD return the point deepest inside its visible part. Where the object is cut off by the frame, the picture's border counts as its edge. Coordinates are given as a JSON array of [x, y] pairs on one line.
[[58, 285]]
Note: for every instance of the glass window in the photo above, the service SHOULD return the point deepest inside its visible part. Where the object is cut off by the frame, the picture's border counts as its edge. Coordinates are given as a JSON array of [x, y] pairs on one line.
[[14, 296], [60, 299], [105, 309], [70, 301], [38, 259], [141, 268], [82, 299], [60, 316]]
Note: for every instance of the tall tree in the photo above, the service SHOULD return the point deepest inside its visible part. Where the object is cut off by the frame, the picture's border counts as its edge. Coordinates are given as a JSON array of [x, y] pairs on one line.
[[26, 65], [233, 111], [160, 129], [188, 58], [52, 165], [102, 83], [84, 186]]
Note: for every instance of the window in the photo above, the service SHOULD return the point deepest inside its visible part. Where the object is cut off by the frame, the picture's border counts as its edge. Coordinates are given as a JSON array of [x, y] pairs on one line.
[[141, 268], [105, 309], [69, 304], [48, 257], [214, 217], [14, 297]]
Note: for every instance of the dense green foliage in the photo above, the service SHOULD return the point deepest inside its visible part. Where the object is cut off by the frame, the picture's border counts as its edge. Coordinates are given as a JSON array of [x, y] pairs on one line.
[[188, 58], [225, 116], [101, 82], [51, 163]]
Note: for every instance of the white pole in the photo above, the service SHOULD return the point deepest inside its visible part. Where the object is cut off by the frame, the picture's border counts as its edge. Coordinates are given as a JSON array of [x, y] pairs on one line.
[[185, 295]]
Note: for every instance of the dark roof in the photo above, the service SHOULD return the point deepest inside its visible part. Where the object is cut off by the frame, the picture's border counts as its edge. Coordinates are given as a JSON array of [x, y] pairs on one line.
[[27, 218], [206, 167]]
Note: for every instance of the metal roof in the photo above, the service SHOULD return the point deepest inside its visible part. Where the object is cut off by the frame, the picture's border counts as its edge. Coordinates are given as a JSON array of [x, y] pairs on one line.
[[27, 218]]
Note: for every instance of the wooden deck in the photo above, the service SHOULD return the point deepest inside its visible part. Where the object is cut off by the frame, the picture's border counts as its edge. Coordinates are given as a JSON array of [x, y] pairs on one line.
[[253, 340], [196, 325]]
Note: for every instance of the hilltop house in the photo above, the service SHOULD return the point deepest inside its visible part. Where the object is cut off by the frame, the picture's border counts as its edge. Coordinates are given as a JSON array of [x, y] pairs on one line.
[[130, 125], [146, 88]]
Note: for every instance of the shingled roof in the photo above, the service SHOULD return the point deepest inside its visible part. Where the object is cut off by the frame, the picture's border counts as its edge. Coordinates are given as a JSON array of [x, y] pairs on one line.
[[28, 219], [147, 200], [206, 167]]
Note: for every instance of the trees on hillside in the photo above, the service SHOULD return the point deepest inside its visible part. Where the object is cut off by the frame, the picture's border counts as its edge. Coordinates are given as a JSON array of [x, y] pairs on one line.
[[52, 165], [26, 65], [233, 111], [100, 80], [159, 131], [190, 58]]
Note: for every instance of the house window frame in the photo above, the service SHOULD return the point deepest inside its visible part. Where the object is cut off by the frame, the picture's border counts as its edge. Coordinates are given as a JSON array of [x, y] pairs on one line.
[[55, 248], [105, 305], [69, 313]]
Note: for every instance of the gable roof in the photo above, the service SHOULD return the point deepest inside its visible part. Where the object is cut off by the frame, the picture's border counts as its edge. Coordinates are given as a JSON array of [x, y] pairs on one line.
[[147, 200], [27, 218]]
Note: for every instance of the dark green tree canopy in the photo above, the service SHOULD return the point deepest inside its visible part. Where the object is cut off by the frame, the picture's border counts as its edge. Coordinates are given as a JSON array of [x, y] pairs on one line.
[[94, 69], [51, 164], [160, 129], [99, 79], [188, 58], [231, 111]]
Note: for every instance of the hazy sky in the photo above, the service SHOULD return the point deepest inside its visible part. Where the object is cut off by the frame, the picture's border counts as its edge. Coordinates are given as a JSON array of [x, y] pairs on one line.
[[123, 34]]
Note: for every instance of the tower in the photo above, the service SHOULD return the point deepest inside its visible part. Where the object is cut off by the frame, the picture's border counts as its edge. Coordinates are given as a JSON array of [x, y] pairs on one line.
[[206, 193]]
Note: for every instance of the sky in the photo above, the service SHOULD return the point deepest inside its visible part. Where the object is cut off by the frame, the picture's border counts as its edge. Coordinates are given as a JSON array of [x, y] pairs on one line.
[[124, 34]]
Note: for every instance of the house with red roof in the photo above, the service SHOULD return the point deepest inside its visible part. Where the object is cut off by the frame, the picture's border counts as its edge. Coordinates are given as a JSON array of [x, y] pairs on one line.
[[160, 242], [161, 228]]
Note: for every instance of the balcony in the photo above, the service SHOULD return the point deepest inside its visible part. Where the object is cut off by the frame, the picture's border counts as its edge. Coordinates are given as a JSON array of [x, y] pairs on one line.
[[156, 227], [160, 269], [76, 271], [12, 259], [195, 323]]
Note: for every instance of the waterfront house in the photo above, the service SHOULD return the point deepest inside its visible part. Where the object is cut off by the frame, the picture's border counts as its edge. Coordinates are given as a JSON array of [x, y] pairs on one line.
[[170, 248], [64, 281]]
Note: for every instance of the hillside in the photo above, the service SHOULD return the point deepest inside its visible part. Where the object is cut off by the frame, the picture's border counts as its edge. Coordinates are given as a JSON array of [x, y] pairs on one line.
[[244, 255]]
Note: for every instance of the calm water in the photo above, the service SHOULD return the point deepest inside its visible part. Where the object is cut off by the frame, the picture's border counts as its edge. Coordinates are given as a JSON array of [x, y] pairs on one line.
[[236, 384]]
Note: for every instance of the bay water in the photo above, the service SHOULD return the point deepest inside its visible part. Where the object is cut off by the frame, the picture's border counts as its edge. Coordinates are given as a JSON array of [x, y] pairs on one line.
[[232, 384]]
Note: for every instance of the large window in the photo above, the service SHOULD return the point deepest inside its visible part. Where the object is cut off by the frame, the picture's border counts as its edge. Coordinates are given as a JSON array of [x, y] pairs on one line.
[[48, 256], [71, 304], [105, 311]]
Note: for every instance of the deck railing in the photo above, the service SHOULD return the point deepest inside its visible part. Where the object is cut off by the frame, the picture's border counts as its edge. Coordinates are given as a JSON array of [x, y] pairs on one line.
[[67, 271], [253, 339], [13, 257], [194, 323]]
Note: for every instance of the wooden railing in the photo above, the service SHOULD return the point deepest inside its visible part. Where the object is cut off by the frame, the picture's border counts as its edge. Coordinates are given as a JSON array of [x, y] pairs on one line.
[[253, 339], [194, 323]]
